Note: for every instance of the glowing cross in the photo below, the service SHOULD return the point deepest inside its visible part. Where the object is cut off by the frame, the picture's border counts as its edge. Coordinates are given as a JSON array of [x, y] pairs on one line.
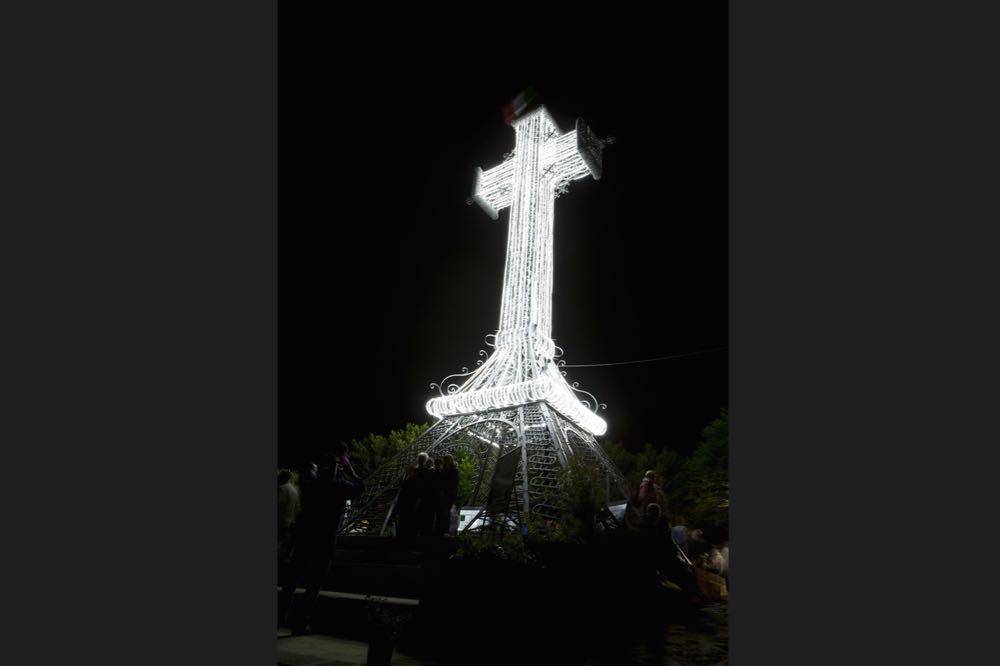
[[522, 369]]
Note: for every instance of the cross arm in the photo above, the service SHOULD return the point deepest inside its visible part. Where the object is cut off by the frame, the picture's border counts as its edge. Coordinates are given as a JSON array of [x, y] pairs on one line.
[[492, 189], [575, 154]]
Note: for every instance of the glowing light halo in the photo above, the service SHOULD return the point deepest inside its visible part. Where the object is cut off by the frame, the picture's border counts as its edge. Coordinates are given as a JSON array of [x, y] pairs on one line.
[[522, 369], [551, 388]]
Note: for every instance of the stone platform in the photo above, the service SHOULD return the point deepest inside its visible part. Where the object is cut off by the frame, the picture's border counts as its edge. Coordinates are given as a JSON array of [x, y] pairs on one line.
[[373, 581], [322, 650]]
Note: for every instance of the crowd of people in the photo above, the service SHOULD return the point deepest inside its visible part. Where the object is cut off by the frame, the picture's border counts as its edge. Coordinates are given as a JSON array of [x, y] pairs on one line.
[[425, 505], [673, 546], [309, 518], [311, 512]]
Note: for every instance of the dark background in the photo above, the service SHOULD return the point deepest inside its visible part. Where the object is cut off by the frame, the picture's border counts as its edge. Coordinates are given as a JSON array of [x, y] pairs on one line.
[[389, 281], [141, 307]]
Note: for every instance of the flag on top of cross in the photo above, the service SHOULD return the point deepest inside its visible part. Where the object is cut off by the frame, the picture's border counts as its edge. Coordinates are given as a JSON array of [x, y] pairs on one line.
[[518, 105]]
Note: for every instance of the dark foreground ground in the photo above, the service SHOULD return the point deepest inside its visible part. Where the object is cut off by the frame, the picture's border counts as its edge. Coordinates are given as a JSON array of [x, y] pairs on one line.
[[699, 639], [590, 606]]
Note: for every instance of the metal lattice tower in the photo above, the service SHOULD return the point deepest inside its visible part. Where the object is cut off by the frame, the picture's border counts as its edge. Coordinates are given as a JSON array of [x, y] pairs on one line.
[[518, 398]]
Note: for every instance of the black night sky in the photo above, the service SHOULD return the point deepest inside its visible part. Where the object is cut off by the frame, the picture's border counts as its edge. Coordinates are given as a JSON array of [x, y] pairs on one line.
[[388, 281]]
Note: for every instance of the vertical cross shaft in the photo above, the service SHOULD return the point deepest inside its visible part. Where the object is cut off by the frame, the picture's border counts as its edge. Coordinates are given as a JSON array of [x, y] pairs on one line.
[[526, 302]]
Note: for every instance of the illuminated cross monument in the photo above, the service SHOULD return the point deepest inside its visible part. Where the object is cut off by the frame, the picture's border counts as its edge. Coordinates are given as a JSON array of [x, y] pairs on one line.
[[516, 406]]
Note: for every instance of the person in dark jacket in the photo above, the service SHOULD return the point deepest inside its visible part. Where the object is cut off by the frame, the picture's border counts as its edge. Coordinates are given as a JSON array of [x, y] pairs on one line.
[[416, 504], [406, 505], [447, 491], [429, 489], [323, 503]]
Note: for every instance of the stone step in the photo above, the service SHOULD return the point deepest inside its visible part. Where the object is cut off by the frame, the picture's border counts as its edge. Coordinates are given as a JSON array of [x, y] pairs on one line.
[[325, 650], [350, 617]]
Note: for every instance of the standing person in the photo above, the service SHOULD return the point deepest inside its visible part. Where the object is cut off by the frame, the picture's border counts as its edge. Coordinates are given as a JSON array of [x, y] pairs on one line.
[[288, 509], [307, 474], [650, 539], [411, 493], [429, 497], [406, 505], [653, 527], [648, 489], [447, 482], [323, 502]]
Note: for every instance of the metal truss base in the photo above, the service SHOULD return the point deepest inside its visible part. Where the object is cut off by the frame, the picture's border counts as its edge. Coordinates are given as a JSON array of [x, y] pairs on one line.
[[546, 442]]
